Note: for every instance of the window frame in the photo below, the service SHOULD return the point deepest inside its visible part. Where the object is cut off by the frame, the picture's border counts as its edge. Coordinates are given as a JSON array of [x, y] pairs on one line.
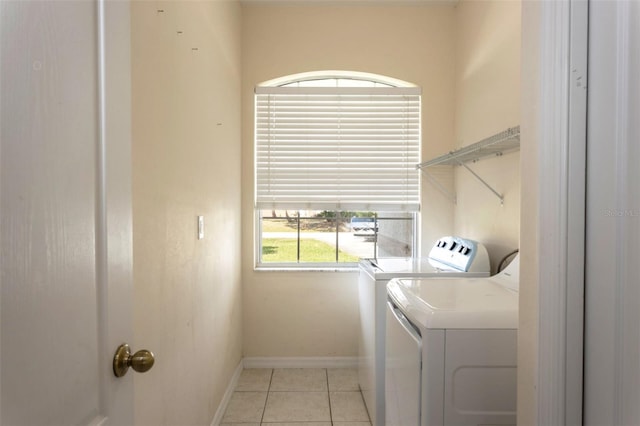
[[378, 81]]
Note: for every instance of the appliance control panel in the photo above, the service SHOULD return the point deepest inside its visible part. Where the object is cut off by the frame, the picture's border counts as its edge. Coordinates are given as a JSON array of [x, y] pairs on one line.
[[461, 254]]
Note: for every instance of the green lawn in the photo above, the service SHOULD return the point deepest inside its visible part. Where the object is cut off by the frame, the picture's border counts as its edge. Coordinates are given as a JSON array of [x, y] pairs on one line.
[[285, 250]]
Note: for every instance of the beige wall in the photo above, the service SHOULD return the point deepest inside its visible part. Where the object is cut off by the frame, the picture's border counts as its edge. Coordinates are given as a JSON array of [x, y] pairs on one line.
[[316, 314], [186, 162], [529, 278], [487, 102], [186, 153]]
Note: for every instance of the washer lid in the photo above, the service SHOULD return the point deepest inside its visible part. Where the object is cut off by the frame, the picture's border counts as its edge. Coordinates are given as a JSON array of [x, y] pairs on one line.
[[394, 267], [456, 303]]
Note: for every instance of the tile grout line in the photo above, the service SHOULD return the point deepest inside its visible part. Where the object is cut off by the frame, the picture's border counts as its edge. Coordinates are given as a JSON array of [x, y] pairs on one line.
[[264, 409], [365, 407], [326, 372]]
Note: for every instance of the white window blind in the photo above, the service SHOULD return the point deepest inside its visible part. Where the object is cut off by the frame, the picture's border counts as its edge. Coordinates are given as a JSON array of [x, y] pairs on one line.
[[338, 148]]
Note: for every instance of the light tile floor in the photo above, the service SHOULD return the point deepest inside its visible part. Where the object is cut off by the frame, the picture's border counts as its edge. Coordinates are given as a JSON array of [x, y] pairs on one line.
[[297, 397]]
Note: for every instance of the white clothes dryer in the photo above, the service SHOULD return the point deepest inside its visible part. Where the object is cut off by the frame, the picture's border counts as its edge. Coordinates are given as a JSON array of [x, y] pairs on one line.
[[451, 350], [450, 256]]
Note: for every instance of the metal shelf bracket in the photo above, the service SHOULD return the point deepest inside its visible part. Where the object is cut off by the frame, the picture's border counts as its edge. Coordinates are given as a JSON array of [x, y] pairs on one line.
[[496, 193], [496, 145], [451, 196]]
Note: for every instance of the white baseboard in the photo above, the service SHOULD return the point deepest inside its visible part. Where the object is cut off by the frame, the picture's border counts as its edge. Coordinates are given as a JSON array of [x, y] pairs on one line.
[[217, 419], [300, 362]]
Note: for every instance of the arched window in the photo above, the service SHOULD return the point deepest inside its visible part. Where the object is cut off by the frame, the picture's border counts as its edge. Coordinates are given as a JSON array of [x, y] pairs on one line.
[[340, 148]]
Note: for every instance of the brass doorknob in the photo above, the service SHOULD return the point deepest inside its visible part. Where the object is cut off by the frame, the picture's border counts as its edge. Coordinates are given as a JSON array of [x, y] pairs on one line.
[[140, 361]]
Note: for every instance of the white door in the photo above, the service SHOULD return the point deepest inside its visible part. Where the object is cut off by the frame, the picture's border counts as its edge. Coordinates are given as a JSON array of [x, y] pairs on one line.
[[65, 217]]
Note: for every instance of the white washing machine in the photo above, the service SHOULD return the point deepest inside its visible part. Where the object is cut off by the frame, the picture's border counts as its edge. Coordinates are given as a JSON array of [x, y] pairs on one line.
[[450, 256], [451, 350]]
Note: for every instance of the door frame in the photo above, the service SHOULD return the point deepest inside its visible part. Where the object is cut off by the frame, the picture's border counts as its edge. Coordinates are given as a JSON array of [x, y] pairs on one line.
[[562, 214], [553, 253]]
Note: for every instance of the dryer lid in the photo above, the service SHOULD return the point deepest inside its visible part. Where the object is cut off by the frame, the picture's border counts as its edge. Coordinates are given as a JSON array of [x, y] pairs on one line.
[[456, 303]]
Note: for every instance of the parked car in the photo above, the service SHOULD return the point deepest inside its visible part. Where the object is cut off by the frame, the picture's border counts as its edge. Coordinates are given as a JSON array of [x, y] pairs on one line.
[[364, 226]]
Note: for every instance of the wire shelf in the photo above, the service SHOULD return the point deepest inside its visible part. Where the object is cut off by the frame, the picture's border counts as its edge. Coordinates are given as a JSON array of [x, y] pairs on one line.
[[496, 145]]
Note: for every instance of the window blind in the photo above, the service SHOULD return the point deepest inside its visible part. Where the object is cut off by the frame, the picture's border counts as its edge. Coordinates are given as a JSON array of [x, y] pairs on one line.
[[352, 148]]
